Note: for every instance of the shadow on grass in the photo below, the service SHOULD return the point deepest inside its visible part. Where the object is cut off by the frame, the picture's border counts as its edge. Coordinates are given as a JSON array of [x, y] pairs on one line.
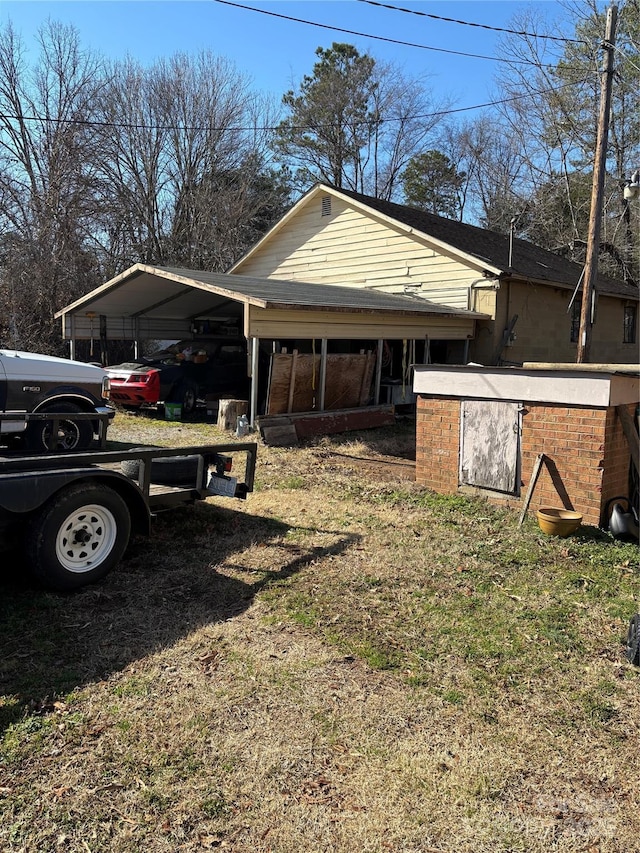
[[165, 588]]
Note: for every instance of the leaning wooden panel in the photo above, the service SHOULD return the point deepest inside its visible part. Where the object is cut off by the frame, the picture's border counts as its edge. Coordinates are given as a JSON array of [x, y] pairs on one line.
[[348, 384], [279, 382], [347, 376], [306, 384]]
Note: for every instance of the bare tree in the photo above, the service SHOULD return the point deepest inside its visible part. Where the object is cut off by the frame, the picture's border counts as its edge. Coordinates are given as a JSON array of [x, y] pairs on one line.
[[492, 165], [46, 182], [184, 155], [554, 107]]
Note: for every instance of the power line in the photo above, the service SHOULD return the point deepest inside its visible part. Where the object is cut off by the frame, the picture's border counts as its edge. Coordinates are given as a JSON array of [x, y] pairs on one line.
[[267, 128], [625, 56], [469, 23], [377, 38]]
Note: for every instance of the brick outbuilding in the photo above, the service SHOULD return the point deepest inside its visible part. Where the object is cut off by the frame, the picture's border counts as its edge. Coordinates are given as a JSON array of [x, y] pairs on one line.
[[482, 429]]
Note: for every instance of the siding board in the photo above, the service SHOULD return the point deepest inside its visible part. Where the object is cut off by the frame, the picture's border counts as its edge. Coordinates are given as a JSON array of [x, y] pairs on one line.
[[350, 248], [284, 324]]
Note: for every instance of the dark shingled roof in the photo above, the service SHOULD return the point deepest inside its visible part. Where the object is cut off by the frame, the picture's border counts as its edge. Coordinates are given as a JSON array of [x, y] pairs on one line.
[[529, 262], [300, 294]]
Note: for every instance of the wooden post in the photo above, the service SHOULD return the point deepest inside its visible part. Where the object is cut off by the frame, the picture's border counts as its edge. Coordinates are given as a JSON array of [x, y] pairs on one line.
[[378, 371], [255, 352], [292, 380], [365, 387], [597, 192], [532, 484]]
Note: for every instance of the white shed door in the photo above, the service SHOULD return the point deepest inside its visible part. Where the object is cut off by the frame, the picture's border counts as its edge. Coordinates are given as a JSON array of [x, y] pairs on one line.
[[489, 444]]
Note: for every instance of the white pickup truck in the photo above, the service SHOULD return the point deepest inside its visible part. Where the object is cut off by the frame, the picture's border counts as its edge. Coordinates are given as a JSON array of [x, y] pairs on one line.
[[33, 386]]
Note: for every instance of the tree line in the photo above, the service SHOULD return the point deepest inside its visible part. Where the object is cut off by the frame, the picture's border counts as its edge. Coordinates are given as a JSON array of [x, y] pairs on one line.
[[180, 163]]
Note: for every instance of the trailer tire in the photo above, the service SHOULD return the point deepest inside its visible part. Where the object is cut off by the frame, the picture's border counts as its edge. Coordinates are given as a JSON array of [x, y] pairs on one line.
[[166, 471], [78, 536], [72, 435]]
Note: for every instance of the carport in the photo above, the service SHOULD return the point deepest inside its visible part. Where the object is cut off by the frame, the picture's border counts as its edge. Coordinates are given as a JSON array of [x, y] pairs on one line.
[[162, 303]]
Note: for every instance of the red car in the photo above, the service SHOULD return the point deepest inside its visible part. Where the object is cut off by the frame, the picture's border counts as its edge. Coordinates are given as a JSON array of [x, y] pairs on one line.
[[183, 373]]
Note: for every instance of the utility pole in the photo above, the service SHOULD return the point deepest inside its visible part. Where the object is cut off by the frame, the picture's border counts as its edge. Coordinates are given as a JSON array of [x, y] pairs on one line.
[[597, 190]]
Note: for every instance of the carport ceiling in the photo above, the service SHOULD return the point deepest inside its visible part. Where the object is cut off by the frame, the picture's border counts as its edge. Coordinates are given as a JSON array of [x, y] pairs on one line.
[[143, 295]]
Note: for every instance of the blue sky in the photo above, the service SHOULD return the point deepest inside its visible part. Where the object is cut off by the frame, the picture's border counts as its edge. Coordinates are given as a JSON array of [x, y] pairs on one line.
[[275, 53]]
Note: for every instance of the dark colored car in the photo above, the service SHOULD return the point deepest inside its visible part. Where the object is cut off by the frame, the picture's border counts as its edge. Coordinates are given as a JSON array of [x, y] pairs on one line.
[[32, 384], [183, 373]]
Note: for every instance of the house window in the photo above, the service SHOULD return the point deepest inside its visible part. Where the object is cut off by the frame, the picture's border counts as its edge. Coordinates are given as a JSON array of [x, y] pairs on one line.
[[630, 324], [576, 309], [326, 205]]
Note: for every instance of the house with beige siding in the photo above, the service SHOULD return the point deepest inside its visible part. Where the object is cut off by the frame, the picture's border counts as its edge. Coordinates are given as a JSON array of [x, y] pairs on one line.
[[530, 297]]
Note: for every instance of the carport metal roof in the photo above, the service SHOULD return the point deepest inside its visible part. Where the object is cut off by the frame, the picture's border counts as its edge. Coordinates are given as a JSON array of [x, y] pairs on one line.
[[163, 302]]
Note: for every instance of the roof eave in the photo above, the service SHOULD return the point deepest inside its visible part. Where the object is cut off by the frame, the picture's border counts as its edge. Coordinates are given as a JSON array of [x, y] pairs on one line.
[[363, 309], [513, 275]]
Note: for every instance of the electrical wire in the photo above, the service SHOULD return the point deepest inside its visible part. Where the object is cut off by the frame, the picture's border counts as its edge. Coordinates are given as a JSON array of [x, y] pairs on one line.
[[470, 24], [625, 57], [378, 38], [268, 128]]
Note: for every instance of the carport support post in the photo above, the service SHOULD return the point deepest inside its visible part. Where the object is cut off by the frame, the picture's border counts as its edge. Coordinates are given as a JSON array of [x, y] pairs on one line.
[[379, 370], [136, 338], [323, 373], [72, 335], [255, 346]]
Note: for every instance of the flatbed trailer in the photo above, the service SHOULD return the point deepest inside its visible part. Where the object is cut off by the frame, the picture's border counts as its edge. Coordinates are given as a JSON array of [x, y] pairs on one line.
[[73, 514]]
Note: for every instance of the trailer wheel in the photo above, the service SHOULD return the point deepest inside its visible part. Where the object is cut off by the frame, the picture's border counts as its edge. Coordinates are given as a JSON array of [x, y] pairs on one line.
[[78, 536], [72, 435]]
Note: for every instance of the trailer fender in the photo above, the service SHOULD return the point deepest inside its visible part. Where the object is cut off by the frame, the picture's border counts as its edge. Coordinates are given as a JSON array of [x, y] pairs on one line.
[[24, 492]]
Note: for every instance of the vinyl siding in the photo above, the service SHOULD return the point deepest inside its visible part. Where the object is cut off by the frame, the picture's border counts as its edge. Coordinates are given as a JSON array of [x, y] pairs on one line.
[[350, 248], [269, 323]]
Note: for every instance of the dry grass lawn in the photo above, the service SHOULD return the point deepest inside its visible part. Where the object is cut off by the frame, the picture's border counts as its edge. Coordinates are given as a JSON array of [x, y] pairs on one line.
[[346, 662]]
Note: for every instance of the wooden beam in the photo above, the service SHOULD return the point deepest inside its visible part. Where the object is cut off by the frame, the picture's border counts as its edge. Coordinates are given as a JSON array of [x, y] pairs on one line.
[[308, 424], [292, 381], [532, 484]]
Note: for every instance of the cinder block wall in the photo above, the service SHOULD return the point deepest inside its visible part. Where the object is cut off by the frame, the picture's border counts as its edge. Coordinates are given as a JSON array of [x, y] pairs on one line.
[[587, 449]]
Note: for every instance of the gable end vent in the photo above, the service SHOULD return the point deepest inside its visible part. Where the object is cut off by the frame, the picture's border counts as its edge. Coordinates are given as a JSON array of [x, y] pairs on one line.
[[326, 205]]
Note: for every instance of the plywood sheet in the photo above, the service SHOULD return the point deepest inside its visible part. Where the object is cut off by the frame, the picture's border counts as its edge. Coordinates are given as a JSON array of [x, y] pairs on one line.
[[490, 444], [294, 384]]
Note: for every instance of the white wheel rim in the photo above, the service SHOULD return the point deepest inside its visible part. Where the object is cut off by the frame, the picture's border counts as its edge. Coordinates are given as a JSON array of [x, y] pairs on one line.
[[86, 538]]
